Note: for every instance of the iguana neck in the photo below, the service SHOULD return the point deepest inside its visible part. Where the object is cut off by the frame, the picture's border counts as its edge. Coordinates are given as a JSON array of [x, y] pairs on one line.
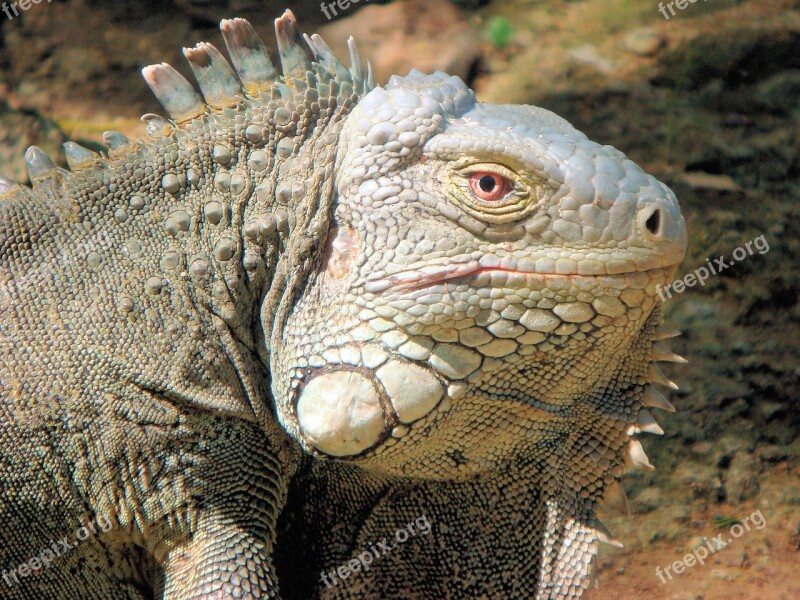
[[480, 553], [196, 233]]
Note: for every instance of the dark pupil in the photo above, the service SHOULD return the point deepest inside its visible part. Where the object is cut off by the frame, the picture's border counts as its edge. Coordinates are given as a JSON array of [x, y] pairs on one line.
[[487, 183]]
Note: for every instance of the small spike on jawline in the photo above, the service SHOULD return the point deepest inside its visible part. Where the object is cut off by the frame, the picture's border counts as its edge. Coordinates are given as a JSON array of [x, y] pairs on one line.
[[636, 457], [616, 499], [645, 423], [654, 375], [604, 535], [664, 333], [654, 398], [664, 355], [77, 155], [115, 140], [326, 59], [6, 185], [156, 126], [294, 53], [370, 81], [356, 66]]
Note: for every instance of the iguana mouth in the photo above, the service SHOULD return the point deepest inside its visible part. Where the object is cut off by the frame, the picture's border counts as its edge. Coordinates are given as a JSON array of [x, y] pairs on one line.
[[429, 276]]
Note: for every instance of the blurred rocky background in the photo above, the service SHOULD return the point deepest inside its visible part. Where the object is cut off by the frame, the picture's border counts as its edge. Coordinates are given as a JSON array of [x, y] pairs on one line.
[[708, 100]]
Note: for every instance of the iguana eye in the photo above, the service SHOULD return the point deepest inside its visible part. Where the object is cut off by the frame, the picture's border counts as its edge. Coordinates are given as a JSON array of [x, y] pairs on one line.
[[492, 192], [488, 186]]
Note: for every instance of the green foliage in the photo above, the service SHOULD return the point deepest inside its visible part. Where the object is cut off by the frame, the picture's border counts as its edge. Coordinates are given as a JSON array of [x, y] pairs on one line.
[[724, 522], [500, 31]]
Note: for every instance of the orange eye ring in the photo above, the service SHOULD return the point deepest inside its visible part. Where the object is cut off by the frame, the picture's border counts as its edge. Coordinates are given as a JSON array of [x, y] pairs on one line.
[[488, 186]]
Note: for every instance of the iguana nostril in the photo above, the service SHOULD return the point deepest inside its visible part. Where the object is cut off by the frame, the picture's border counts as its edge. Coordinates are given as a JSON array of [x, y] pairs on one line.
[[652, 223]]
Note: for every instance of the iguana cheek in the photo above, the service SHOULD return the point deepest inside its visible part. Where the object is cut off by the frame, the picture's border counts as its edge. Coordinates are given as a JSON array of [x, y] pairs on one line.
[[340, 413]]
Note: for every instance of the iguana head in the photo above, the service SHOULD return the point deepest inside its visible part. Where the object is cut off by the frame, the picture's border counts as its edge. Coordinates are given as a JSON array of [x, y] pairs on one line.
[[488, 286]]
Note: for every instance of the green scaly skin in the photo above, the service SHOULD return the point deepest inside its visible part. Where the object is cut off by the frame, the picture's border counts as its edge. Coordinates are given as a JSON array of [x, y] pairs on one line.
[[298, 317]]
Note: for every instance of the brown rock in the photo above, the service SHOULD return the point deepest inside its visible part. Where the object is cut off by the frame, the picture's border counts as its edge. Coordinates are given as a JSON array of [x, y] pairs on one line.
[[644, 41], [426, 35], [20, 129]]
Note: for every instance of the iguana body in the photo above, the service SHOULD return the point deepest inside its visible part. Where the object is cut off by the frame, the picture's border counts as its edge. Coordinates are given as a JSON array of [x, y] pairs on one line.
[[307, 311]]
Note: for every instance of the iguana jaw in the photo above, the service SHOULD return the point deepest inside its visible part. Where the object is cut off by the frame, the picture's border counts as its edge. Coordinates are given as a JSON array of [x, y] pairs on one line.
[[350, 410]]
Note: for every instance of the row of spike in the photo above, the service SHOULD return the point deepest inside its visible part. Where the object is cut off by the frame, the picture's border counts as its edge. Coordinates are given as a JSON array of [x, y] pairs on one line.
[[615, 497], [253, 72], [222, 85], [40, 165]]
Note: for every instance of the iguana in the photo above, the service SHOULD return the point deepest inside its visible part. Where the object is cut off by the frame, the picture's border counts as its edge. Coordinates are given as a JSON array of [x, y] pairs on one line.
[[307, 311]]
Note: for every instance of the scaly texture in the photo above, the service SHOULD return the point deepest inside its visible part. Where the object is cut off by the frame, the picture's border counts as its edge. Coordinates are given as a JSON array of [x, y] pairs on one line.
[[306, 311]]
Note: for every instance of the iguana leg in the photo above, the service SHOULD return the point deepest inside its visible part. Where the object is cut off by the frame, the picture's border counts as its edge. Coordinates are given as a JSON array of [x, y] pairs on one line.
[[223, 560], [237, 489]]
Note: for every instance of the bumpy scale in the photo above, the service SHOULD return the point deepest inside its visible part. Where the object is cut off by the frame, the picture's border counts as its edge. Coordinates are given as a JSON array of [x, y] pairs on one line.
[[307, 310]]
